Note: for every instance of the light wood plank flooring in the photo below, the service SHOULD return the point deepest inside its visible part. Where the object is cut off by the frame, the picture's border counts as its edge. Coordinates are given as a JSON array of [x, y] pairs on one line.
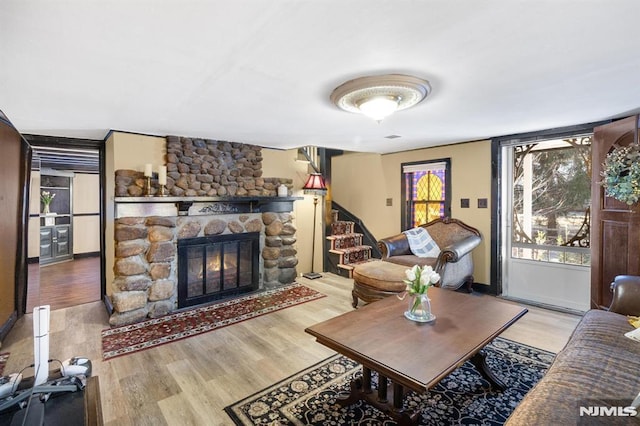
[[190, 382]]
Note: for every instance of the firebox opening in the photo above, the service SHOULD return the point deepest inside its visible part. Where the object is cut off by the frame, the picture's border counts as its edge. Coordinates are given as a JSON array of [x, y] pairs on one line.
[[217, 267]]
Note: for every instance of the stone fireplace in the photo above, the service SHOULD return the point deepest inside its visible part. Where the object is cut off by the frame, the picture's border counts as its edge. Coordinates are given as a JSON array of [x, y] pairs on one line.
[[217, 192]]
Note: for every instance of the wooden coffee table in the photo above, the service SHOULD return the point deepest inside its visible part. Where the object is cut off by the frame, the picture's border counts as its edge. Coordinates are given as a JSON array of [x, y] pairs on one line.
[[412, 355]]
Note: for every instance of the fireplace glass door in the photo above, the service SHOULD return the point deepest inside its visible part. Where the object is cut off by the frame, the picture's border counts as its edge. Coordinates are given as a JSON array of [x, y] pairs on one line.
[[217, 267]]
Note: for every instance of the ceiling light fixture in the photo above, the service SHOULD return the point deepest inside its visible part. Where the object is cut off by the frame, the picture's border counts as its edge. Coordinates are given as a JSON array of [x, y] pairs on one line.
[[379, 96]]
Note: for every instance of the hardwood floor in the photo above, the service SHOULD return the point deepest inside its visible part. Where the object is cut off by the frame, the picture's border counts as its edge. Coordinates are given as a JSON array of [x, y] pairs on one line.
[[189, 382], [65, 284]]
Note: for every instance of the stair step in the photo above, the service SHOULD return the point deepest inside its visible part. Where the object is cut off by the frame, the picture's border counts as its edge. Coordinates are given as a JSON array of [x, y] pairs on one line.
[[353, 254], [342, 227], [347, 270], [342, 241]]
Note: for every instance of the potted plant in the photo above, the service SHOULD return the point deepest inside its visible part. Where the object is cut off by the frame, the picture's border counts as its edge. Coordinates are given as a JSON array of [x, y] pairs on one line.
[[46, 198], [621, 174]]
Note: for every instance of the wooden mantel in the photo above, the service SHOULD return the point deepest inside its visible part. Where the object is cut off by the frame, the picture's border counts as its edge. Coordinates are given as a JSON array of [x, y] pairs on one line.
[[192, 206]]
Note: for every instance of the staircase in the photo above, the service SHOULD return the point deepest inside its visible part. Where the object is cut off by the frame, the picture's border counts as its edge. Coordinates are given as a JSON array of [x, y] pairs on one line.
[[346, 249]]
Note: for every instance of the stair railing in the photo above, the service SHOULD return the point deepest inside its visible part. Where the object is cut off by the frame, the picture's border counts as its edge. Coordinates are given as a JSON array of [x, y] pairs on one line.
[[367, 237], [310, 153]]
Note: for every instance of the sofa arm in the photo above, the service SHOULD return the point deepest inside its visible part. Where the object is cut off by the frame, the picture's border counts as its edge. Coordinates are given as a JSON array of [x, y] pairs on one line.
[[458, 249], [626, 295], [394, 246]]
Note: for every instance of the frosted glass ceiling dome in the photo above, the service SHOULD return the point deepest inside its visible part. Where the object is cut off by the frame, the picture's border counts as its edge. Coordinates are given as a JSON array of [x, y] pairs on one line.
[[381, 95]]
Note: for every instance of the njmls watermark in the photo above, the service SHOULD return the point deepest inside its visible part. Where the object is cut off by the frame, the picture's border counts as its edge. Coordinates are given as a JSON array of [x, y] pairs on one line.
[[605, 411], [592, 412]]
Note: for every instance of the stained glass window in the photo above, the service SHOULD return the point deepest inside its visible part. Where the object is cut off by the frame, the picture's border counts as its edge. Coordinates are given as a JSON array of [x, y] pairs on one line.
[[425, 192]]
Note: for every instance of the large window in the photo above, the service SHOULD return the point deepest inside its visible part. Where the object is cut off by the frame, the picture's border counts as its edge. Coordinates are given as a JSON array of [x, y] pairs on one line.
[[425, 192], [551, 199]]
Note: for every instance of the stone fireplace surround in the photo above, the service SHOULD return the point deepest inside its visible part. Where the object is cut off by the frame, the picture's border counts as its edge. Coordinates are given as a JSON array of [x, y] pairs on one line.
[[147, 229], [146, 257]]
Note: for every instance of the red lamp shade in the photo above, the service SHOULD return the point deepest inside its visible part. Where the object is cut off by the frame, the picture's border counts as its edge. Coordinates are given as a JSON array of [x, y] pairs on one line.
[[315, 185]]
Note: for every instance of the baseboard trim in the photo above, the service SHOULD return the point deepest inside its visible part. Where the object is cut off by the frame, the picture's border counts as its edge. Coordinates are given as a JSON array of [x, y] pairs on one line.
[[482, 288], [544, 306], [33, 260], [86, 255], [4, 329], [108, 304]]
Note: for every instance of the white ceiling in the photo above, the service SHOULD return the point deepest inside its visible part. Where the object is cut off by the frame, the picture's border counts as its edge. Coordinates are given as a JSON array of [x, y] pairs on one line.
[[262, 71]]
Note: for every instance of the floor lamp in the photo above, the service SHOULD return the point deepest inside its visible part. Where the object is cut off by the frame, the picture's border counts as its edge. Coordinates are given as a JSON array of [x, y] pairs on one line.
[[315, 185]]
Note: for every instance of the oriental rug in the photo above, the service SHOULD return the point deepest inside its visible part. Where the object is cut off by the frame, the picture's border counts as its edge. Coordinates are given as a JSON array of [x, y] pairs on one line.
[[3, 362], [464, 397], [132, 338]]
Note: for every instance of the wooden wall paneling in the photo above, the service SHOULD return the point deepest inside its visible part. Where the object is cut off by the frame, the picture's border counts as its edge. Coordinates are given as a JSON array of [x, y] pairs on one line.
[[14, 175], [615, 240]]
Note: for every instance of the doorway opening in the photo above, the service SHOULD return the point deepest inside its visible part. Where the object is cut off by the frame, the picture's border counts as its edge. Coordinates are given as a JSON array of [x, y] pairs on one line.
[[64, 241], [545, 221]]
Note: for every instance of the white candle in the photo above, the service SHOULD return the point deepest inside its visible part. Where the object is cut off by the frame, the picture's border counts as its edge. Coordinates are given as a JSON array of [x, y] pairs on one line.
[[147, 170], [162, 175]]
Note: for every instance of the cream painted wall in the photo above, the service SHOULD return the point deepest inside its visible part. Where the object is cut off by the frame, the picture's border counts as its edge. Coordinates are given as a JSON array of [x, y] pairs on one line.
[[86, 234], [132, 151], [361, 183], [33, 239], [86, 199], [86, 193]]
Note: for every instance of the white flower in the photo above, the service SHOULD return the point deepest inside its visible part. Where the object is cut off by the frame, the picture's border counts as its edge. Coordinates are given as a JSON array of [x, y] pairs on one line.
[[419, 279], [411, 273], [424, 279]]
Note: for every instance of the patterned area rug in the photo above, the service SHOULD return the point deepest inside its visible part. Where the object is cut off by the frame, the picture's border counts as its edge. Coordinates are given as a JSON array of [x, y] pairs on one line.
[[463, 397], [3, 361], [147, 334]]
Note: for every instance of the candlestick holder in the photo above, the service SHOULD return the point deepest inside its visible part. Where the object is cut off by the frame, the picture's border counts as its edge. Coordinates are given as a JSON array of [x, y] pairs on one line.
[[161, 192], [148, 189]]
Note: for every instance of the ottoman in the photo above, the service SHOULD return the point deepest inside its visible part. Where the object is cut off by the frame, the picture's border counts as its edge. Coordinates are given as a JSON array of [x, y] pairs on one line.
[[377, 279]]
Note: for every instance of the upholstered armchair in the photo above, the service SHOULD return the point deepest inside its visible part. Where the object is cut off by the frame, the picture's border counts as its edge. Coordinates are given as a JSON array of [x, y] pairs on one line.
[[454, 263], [626, 295]]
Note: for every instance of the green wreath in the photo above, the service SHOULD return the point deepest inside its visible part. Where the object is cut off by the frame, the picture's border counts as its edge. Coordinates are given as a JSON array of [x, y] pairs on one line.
[[622, 174]]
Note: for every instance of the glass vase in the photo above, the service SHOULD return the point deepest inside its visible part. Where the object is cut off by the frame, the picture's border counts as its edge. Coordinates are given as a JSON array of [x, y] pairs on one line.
[[45, 209], [419, 308]]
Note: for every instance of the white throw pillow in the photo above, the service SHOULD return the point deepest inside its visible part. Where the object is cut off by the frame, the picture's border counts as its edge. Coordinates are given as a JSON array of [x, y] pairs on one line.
[[421, 243]]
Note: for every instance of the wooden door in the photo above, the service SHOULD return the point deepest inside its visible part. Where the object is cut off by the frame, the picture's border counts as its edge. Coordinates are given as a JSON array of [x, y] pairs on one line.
[[615, 235], [14, 175]]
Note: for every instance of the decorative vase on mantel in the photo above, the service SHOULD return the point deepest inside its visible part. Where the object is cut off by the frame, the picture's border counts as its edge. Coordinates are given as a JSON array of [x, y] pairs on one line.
[[419, 308], [45, 209]]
